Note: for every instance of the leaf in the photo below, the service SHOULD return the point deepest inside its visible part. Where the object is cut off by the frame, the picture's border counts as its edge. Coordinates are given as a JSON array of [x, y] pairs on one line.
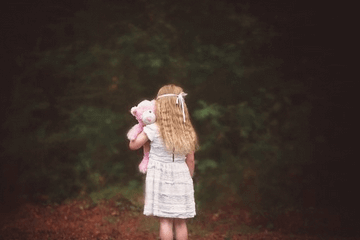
[[206, 164], [212, 111]]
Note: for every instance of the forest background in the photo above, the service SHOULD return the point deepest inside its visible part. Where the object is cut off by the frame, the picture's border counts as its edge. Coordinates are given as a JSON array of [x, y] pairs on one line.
[[267, 88]]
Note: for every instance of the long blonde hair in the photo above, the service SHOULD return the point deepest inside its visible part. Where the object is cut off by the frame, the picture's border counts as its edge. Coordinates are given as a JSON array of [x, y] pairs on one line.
[[178, 136]]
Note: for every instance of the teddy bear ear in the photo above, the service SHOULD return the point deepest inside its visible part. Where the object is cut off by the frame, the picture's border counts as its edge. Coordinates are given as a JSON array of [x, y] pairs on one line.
[[133, 111]]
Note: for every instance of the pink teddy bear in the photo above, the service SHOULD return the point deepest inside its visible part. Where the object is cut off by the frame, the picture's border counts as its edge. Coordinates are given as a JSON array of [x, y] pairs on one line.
[[144, 112]]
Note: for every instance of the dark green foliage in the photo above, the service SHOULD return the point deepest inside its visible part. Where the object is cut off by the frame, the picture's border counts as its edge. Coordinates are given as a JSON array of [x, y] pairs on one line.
[[68, 128], [254, 151]]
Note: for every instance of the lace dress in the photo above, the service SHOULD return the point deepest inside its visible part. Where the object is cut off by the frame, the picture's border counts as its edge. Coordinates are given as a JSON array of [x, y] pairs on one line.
[[169, 189]]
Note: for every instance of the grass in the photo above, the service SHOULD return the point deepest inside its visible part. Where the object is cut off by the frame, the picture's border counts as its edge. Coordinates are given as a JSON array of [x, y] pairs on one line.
[[149, 224], [111, 219]]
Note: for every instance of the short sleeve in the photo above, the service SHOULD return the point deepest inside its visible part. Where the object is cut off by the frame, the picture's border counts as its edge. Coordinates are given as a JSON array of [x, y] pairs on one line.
[[150, 131]]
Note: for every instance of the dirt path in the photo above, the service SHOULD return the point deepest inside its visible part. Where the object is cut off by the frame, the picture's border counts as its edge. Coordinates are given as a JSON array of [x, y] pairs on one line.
[[110, 220]]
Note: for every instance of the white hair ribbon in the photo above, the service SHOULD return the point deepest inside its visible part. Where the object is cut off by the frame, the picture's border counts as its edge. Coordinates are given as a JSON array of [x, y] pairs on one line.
[[180, 99]]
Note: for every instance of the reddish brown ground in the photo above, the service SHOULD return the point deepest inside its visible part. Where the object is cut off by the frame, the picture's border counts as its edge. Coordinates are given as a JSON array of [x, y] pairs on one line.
[[110, 220]]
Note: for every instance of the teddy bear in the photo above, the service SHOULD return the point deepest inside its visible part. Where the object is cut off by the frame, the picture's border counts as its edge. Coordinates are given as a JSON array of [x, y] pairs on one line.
[[144, 113]]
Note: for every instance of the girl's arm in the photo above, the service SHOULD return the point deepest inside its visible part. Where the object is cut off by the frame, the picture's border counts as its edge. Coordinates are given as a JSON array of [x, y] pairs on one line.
[[139, 141], [146, 147], [190, 161]]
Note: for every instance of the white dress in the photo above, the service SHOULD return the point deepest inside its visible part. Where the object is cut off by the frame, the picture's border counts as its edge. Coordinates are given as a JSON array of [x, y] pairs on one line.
[[169, 189]]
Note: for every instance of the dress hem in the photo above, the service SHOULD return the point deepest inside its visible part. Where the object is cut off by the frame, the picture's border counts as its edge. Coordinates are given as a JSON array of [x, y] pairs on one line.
[[167, 216]]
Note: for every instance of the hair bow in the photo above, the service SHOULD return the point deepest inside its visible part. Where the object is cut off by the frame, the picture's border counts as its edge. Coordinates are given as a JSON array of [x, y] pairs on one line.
[[180, 99]]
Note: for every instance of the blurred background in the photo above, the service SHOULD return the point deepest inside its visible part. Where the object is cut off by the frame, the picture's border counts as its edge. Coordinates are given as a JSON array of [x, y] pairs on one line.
[[268, 91]]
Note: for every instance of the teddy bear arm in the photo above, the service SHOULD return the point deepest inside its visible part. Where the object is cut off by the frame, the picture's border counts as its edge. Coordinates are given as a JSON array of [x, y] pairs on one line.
[[144, 163], [135, 131]]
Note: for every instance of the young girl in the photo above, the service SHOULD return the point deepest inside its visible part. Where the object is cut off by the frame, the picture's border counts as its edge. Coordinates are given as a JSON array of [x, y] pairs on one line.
[[169, 189]]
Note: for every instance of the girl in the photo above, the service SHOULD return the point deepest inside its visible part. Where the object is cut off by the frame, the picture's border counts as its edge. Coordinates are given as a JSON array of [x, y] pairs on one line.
[[169, 190]]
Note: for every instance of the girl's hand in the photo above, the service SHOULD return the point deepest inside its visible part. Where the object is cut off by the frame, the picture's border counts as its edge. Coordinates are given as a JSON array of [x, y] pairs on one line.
[[139, 141], [190, 161]]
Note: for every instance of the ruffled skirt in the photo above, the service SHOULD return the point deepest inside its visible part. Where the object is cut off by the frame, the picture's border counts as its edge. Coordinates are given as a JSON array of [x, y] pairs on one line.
[[169, 190]]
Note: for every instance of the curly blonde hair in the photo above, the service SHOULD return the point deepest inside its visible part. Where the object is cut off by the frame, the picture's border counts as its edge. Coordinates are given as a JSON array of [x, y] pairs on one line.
[[178, 136]]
